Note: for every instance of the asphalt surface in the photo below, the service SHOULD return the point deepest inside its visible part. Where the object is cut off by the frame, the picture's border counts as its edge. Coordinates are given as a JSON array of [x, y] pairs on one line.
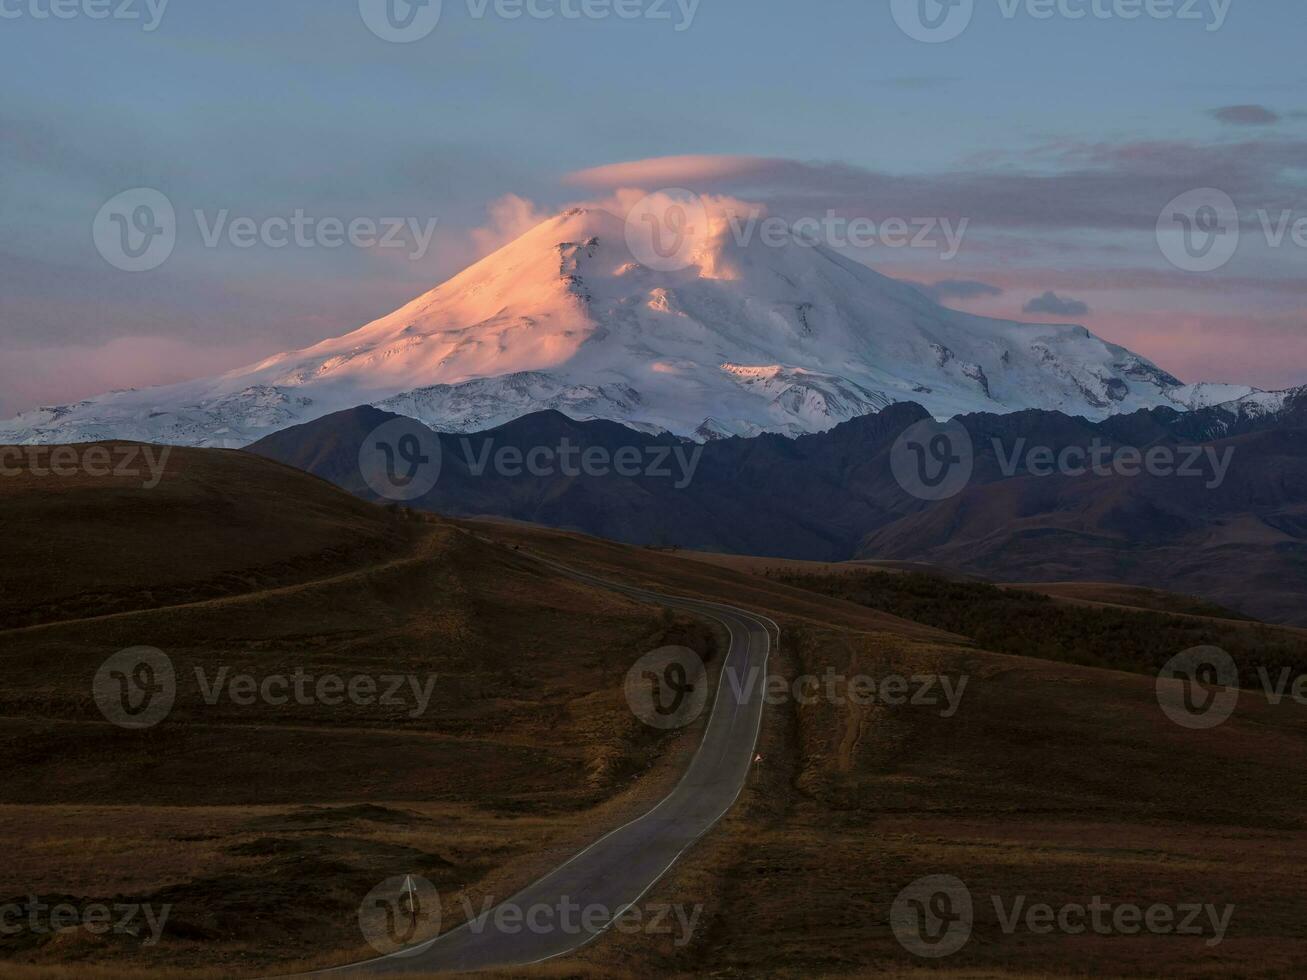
[[617, 870]]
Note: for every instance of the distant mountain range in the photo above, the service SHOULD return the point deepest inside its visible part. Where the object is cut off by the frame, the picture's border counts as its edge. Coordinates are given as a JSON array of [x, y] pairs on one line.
[[1235, 532], [750, 337]]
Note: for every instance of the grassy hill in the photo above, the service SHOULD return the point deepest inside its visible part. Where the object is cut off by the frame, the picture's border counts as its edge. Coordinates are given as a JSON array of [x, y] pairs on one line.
[[218, 523], [263, 825]]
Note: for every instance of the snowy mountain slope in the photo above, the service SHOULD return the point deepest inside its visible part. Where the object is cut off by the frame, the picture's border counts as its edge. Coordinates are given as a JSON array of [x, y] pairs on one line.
[[1207, 395], [1258, 406], [750, 338]]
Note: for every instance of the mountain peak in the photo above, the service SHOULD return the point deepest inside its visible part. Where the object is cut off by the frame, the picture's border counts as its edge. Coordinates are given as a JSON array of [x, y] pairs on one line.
[[742, 337]]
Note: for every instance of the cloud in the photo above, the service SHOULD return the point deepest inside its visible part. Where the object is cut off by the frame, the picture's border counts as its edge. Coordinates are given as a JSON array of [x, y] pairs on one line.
[[1051, 304], [1064, 186], [510, 217], [1246, 115], [958, 289], [668, 171]]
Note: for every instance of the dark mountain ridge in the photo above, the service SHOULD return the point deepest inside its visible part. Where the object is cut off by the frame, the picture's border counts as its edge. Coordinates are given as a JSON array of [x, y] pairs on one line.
[[1228, 522]]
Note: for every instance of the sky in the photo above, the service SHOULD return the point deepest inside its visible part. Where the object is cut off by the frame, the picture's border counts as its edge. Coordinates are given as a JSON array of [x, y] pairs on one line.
[[1055, 142]]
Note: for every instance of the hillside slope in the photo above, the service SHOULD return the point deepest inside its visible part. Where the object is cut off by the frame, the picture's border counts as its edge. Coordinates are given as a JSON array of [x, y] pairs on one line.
[[217, 523], [263, 826]]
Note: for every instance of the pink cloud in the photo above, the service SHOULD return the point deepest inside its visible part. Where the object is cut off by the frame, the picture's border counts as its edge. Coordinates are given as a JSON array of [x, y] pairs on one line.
[[657, 172]]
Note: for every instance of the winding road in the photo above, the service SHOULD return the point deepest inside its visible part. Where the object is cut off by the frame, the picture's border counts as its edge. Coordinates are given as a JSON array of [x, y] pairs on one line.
[[617, 870]]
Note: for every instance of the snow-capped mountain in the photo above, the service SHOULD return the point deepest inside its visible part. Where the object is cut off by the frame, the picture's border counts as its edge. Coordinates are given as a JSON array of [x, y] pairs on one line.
[[1255, 409], [749, 338], [1207, 394]]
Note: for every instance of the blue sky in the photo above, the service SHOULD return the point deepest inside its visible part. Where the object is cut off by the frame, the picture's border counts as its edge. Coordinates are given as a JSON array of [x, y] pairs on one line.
[[1039, 131]]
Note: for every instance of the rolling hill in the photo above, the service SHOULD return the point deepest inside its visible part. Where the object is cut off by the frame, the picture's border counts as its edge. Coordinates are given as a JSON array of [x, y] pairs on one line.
[[262, 826]]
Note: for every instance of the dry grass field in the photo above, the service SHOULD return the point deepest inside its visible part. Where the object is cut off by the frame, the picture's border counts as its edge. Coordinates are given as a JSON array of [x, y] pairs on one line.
[[1052, 781], [263, 826]]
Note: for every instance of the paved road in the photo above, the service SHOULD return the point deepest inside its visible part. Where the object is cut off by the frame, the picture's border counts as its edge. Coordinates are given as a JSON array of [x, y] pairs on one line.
[[618, 869]]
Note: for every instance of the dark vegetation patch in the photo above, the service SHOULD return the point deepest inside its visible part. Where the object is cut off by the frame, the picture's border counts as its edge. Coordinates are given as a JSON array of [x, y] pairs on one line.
[[1029, 624]]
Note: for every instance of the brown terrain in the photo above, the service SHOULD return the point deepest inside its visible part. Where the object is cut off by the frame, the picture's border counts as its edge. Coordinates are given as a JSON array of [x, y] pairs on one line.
[[264, 826]]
